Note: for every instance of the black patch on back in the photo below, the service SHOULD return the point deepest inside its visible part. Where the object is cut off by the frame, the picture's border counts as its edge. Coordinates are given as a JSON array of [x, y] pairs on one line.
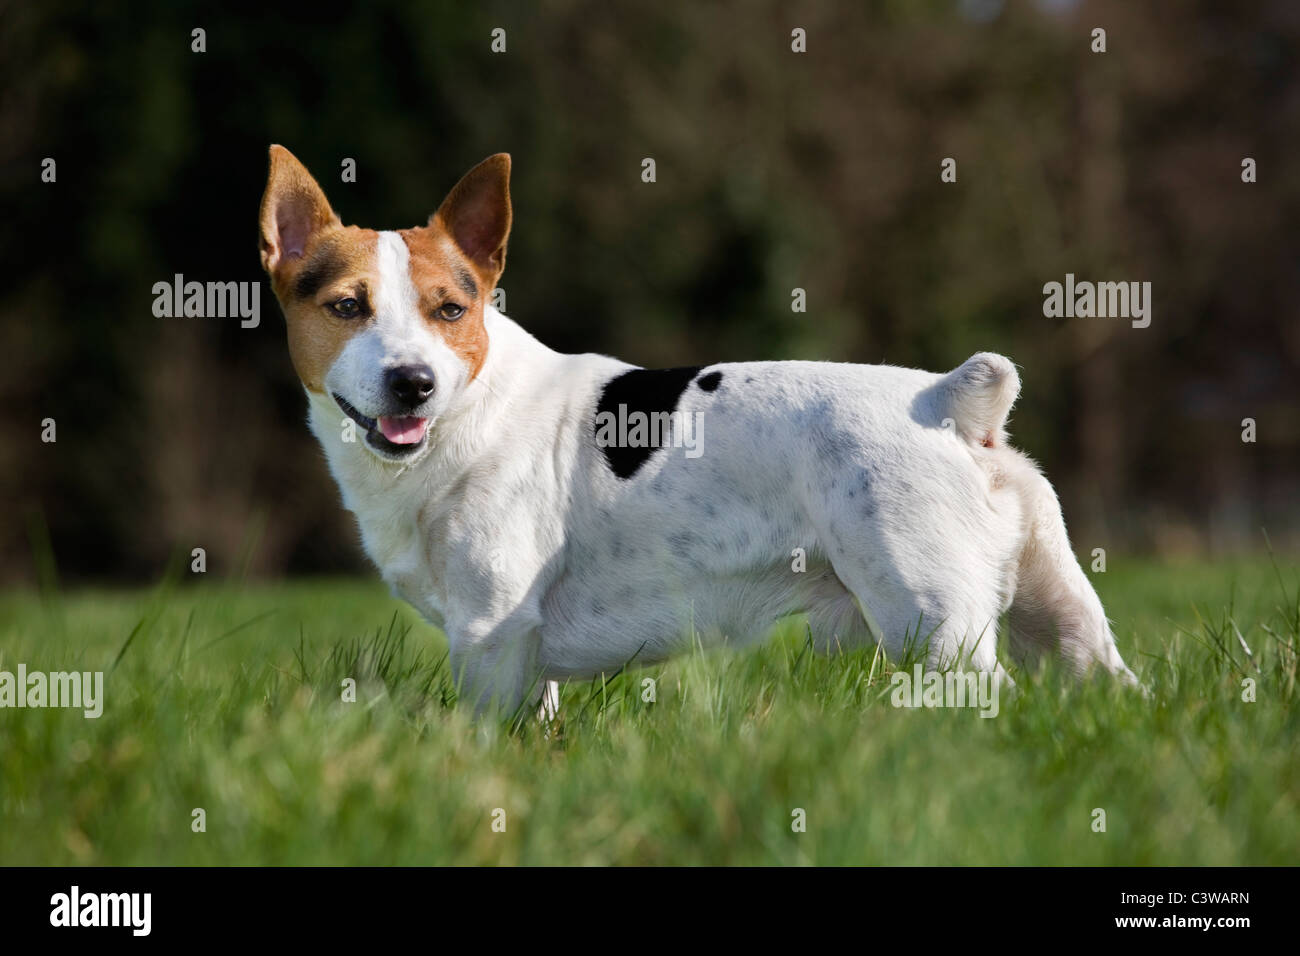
[[645, 390], [710, 382]]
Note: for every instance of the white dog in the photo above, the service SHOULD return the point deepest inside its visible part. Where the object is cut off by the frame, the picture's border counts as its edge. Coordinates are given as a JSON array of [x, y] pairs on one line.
[[562, 515]]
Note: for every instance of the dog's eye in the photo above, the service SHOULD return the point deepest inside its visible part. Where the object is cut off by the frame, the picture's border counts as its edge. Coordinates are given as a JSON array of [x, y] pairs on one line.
[[451, 311], [347, 308]]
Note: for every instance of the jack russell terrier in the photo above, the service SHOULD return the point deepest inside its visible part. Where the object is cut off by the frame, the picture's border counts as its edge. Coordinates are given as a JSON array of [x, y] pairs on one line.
[[531, 504]]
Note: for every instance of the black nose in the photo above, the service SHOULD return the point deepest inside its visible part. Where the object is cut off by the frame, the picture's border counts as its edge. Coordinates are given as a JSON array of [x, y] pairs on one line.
[[409, 384]]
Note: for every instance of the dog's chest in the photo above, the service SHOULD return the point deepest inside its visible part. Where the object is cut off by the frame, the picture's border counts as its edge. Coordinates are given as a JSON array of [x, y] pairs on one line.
[[401, 541]]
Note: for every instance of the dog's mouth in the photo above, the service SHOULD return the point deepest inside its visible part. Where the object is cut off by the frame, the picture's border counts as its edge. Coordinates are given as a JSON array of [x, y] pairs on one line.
[[393, 436]]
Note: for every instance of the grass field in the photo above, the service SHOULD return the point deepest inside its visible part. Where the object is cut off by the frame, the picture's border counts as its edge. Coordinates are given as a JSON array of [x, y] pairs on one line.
[[228, 698]]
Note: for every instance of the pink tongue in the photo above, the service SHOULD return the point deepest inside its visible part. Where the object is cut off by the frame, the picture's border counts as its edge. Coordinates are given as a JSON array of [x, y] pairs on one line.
[[403, 431]]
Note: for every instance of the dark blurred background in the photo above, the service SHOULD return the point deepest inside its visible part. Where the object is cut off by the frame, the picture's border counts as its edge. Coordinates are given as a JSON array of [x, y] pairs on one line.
[[775, 170]]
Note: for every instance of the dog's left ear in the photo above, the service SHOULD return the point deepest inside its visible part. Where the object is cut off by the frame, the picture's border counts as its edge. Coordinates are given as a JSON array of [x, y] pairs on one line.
[[476, 213]]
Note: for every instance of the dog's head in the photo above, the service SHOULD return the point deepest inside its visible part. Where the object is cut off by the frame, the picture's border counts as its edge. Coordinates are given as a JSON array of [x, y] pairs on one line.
[[388, 325]]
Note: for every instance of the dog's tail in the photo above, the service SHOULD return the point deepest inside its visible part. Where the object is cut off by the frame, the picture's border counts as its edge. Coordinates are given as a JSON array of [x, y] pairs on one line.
[[977, 396]]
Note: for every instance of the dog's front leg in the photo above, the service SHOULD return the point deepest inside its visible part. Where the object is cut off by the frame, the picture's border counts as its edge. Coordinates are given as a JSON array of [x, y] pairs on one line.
[[496, 662], [548, 705]]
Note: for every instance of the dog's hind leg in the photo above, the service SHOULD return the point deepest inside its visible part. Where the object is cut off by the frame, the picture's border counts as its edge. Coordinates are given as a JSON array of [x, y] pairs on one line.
[[928, 560], [1055, 609], [942, 606], [1053, 605]]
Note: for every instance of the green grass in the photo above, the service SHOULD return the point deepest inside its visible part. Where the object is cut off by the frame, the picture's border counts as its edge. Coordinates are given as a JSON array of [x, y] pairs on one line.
[[228, 698]]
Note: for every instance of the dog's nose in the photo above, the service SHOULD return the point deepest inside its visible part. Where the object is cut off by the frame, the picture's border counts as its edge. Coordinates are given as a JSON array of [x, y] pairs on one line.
[[409, 384]]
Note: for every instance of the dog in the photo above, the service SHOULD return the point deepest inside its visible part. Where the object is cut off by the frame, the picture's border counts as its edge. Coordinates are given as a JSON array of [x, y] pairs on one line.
[[524, 501]]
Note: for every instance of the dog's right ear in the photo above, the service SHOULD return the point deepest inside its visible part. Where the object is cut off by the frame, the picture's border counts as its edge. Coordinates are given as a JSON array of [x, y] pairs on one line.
[[293, 210]]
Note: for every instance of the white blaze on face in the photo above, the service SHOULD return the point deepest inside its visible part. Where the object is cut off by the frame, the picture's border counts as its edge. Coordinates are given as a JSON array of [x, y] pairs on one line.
[[397, 335], [396, 301]]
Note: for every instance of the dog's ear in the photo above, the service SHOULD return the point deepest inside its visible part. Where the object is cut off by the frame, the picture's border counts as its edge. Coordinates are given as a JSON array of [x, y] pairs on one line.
[[293, 210], [476, 213]]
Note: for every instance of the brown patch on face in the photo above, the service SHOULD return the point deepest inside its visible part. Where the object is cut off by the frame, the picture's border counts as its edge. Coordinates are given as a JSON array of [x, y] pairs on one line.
[[444, 276], [339, 264], [313, 260]]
